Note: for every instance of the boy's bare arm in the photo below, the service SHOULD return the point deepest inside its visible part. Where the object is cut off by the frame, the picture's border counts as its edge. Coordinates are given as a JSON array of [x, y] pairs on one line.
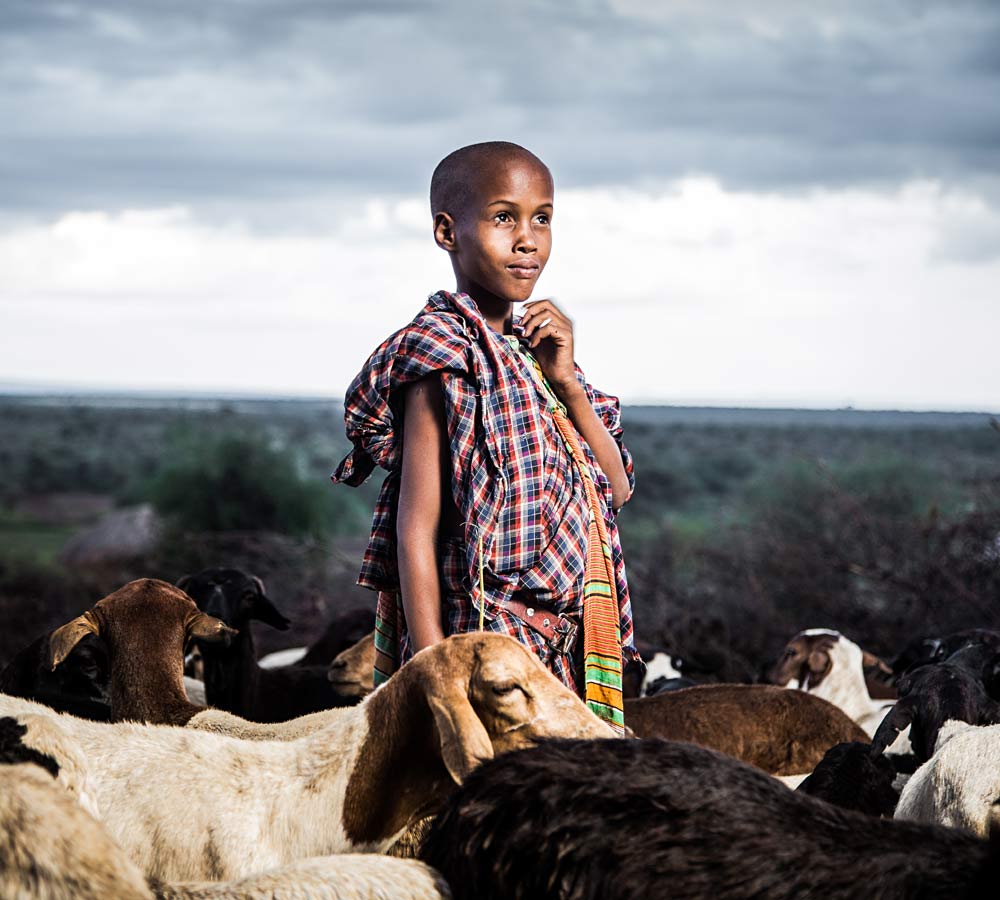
[[550, 334], [425, 475]]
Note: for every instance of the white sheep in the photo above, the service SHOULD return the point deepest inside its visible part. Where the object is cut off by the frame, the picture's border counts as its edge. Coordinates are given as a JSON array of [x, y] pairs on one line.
[[51, 848], [960, 783], [190, 805]]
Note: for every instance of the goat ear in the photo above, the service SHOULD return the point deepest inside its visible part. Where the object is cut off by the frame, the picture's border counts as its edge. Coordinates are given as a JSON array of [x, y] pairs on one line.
[[66, 637], [870, 660], [819, 661], [184, 581], [462, 736], [265, 611], [209, 629]]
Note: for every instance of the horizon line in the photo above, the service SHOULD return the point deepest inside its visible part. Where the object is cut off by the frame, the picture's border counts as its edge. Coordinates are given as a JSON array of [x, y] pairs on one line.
[[18, 389]]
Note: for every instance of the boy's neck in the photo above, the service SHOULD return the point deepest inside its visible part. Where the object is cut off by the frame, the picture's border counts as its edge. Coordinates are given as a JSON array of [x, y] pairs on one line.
[[498, 312]]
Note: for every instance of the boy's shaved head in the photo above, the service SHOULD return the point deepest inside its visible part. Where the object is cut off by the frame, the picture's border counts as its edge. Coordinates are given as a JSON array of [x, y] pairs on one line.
[[457, 176]]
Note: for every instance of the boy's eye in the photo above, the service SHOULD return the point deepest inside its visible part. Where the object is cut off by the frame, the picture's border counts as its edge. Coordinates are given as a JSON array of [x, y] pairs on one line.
[[542, 219], [503, 217]]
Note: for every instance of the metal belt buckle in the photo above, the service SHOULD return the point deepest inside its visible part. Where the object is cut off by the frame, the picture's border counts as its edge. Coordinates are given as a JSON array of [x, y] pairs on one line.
[[565, 637]]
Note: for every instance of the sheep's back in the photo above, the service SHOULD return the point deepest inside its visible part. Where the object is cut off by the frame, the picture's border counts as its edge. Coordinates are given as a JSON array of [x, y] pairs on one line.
[[780, 731]]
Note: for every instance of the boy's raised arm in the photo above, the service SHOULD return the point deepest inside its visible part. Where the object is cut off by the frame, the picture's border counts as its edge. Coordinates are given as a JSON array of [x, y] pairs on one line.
[[424, 478]]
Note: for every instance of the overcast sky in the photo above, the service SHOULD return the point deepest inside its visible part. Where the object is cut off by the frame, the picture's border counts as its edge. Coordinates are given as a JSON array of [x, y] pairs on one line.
[[796, 204]]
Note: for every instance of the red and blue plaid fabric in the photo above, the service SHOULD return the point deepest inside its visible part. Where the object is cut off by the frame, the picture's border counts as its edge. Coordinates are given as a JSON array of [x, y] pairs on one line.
[[513, 480]]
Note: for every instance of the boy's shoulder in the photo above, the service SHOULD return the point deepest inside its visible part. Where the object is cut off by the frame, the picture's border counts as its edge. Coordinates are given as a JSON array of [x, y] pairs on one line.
[[436, 326], [437, 337]]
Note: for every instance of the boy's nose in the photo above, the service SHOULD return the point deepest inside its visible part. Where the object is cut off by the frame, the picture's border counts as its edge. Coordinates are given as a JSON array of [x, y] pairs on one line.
[[525, 240]]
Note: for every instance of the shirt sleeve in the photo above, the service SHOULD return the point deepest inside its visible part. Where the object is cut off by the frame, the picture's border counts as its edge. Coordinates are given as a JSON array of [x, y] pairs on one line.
[[372, 415], [609, 411]]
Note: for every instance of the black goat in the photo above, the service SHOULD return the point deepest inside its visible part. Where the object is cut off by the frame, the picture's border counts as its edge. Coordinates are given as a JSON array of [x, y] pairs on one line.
[[611, 819], [233, 679], [922, 651], [928, 697], [81, 686], [849, 777]]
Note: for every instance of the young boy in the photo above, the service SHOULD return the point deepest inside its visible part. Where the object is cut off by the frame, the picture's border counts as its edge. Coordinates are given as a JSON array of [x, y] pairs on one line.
[[505, 466]]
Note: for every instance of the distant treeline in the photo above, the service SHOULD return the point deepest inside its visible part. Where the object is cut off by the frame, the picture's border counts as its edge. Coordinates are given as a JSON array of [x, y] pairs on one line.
[[745, 526]]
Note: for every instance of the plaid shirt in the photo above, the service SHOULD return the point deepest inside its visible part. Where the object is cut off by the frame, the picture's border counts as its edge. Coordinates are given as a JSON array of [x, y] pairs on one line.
[[513, 481]]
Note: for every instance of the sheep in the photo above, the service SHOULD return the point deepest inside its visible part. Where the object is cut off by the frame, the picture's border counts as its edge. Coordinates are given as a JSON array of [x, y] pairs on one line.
[[850, 778], [51, 848], [782, 732], [576, 820], [928, 697], [191, 805], [959, 783], [234, 681], [80, 686], [145, 626], [828, 665], [349, 877]]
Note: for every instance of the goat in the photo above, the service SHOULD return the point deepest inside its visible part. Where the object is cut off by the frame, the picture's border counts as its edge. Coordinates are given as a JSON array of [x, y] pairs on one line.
[[782, 732], [80, 686], [234, 680], [828, 665], [350, 672], [848, 777], [922, 651], [190, 805], [928, 697], [663, 673], [145, 626], [560, 821], [340, 634], [51, 848], [958, 784]]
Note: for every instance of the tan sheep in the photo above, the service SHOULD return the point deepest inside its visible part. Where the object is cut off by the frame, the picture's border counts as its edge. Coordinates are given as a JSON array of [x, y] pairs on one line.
[[191, 805]]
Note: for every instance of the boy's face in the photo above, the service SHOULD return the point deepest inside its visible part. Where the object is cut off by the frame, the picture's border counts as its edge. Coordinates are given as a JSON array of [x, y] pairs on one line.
[[503, 236]]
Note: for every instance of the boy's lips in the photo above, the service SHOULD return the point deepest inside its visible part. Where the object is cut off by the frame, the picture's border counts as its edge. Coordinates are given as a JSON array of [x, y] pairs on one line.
[[523, 269]]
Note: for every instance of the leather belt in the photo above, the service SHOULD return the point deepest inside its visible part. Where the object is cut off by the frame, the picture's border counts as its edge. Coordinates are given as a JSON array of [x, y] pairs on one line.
[[559, 631]]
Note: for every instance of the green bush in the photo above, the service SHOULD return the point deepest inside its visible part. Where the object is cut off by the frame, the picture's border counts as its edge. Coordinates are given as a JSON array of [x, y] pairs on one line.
[[237, 481]]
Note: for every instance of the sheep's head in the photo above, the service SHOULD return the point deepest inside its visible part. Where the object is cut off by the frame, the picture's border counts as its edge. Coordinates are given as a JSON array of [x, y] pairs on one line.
[[233, 596], [806, 660], [352, 672], [489, 695], [454, 705], [146, 616]]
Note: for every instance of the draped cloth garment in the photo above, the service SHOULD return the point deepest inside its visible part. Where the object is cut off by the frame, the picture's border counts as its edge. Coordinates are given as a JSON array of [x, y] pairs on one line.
[[519, 495]]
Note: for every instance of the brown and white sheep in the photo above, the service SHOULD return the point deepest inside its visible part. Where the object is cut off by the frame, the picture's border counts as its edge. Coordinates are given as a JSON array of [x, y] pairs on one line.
[[192, 805]]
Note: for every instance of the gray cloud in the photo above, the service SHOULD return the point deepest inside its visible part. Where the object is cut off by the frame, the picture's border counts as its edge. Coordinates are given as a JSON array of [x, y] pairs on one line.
[[236, 107]]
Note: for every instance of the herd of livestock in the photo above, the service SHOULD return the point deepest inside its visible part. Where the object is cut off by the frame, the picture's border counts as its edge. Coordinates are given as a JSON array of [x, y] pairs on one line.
[[146, 751]]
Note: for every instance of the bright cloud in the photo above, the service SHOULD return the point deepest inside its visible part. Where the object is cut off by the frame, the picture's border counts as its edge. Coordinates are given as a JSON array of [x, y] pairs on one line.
[[690, 293]]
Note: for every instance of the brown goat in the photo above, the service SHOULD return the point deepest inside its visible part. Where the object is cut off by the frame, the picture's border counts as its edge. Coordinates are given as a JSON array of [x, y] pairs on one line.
[[145, 625], [780, 731]]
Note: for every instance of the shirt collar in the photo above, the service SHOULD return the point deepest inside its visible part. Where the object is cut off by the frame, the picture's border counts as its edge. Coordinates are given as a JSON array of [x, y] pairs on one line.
[[465, 306]]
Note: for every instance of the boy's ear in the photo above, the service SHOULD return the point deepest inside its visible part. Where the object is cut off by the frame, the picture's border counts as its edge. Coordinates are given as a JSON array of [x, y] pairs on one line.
[[444, 231]]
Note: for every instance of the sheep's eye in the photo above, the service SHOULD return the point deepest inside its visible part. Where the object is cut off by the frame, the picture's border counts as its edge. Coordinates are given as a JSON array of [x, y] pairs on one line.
[[503, 688]]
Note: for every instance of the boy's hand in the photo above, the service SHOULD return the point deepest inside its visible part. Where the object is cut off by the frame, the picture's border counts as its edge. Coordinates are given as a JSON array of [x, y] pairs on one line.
[[550, 337]]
